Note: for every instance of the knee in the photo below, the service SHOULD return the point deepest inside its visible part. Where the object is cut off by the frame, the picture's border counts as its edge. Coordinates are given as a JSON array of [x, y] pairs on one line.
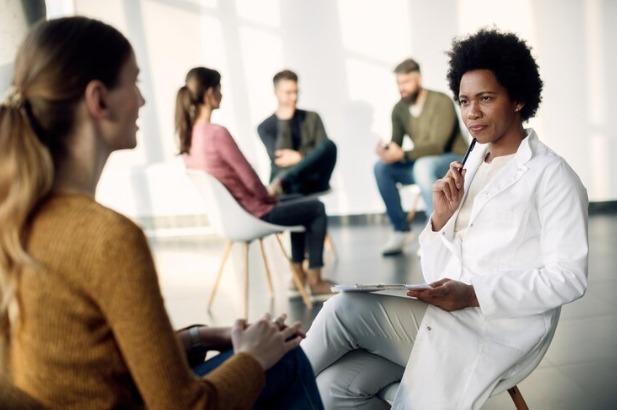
[[340, 306], [380, 170], [329, 146], [425, 172], [318, 209], [298, 360]]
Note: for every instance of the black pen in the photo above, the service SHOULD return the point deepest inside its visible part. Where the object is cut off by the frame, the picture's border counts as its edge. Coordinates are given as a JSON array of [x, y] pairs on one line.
[[473, 143]]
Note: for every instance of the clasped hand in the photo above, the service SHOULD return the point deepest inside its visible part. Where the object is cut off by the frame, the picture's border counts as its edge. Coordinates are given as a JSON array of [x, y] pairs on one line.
[[266, 340], [447, 294], [287, 157], [390, 153]]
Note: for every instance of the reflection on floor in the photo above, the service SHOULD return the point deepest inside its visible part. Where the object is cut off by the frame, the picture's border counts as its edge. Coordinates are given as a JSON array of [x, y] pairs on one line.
[[578, 372]]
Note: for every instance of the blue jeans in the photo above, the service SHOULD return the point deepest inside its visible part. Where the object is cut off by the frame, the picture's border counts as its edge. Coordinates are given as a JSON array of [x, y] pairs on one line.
[[423, 172], [290, 383]]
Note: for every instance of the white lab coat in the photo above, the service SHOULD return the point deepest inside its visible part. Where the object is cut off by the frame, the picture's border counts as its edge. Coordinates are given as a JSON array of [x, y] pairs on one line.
[[525, 252]]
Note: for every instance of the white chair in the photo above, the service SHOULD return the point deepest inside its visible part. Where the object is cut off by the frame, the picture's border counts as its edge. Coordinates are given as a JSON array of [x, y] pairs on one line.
[[410, 199], [235, 224]]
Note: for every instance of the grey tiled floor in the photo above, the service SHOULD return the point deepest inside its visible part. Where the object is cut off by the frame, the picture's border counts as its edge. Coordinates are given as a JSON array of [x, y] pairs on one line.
[[578, 372]]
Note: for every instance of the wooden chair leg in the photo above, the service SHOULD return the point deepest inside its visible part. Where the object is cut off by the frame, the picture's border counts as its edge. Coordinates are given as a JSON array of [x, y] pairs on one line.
[[226, 250], [296, 276], [330, 245], [517, 398], [412, 213], [246, 280], [266, 267]]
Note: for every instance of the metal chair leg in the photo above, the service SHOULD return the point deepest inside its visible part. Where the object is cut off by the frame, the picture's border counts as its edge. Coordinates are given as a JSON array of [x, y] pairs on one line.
[[226, 250], [517, 398]]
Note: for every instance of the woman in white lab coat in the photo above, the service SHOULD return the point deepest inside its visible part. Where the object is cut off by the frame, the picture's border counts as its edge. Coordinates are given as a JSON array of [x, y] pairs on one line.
[[505, 248]]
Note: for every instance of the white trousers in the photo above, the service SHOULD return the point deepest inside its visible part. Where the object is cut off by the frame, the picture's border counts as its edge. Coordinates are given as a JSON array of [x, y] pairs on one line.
[[360, 343]]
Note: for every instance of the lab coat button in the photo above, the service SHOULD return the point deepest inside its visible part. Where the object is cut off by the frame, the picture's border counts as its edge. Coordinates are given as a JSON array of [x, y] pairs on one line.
[[428, 328]]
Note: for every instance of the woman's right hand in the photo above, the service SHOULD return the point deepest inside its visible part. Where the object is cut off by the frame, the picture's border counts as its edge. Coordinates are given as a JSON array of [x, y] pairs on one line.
[[275, 189], [265, 340], [448, 193]]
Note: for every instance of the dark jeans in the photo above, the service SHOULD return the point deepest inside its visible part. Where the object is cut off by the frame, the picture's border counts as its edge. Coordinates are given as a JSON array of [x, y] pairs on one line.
[[309, 213], [312, 174], [290, 384]]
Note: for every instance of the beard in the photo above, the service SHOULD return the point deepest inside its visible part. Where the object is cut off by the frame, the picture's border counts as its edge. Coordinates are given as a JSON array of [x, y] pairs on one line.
[[412, 98]]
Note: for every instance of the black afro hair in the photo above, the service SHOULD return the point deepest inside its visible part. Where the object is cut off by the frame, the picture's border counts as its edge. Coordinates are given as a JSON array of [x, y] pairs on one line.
[[507, 56]]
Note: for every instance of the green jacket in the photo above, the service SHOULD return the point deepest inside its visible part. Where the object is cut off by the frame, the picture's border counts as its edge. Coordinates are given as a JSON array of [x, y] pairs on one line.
[[434, 132]]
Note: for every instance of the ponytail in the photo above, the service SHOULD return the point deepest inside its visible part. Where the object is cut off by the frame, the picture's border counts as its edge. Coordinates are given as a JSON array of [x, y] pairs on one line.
[[26, 176], [185, 118], [189, 99]]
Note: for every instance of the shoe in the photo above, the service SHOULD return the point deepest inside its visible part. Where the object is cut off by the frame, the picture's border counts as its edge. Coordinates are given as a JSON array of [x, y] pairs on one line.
[[395, 244], [322, 291]]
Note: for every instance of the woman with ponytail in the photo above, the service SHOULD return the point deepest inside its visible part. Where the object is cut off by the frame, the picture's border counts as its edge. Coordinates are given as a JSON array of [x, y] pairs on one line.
[[82, 318], [211, 148]]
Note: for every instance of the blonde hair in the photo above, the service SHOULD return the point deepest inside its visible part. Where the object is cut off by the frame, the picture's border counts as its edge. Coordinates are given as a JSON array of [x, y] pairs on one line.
[[26, 176], [54, 64]]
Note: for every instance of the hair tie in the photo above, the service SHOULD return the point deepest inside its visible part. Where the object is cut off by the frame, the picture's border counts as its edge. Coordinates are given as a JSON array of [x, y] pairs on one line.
[[13, 98]]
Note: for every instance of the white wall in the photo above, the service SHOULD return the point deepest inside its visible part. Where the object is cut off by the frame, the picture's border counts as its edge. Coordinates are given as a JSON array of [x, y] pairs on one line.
[[344, 52], [13, 28]]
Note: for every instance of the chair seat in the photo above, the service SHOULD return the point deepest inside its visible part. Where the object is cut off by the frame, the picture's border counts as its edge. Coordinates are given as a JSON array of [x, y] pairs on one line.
[[227, 217], [231, 221]]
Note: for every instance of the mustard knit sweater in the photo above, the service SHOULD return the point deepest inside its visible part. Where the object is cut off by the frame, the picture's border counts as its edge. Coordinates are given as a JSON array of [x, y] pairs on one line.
[[94, 333]]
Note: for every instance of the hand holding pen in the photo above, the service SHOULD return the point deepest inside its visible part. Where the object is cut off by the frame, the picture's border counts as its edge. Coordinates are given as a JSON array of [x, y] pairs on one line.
[[473, 144], [448, 191]]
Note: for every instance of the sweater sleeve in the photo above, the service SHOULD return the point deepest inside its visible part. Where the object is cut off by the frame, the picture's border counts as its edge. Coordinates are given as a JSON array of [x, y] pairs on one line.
[[267, 133], [398, 124], [317, 132], [230, 153], [128, 294]]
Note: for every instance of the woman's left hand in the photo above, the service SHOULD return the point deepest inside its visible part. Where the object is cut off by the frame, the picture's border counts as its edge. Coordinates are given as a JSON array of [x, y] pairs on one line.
[[447, 294], [280, 323]]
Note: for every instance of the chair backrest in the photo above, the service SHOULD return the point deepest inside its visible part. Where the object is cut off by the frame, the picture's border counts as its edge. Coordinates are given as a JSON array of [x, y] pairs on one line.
[[225, 214]]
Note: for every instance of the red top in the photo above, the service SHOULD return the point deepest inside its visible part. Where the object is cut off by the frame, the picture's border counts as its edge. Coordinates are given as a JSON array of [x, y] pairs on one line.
[[214, 150]]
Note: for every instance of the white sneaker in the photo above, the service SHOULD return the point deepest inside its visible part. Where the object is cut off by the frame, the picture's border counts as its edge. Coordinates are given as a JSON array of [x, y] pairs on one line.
[[395, 244]]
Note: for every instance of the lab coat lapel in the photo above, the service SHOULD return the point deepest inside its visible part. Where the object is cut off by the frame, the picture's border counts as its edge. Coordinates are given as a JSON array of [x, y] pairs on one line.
[[512, 172], [472, 165]]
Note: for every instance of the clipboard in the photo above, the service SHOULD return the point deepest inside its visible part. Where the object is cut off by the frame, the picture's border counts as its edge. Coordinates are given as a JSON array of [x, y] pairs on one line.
[[368, 288]]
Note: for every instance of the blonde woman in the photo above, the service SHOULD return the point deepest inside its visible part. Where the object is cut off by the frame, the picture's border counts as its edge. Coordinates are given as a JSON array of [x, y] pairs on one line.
[[81, 308]]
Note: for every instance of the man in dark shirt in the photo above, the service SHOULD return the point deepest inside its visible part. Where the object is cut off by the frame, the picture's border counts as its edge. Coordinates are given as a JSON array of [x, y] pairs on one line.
[[302, 157]]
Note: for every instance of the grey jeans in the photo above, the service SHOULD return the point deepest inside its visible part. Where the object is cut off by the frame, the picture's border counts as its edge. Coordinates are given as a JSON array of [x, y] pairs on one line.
[[360, 343]]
